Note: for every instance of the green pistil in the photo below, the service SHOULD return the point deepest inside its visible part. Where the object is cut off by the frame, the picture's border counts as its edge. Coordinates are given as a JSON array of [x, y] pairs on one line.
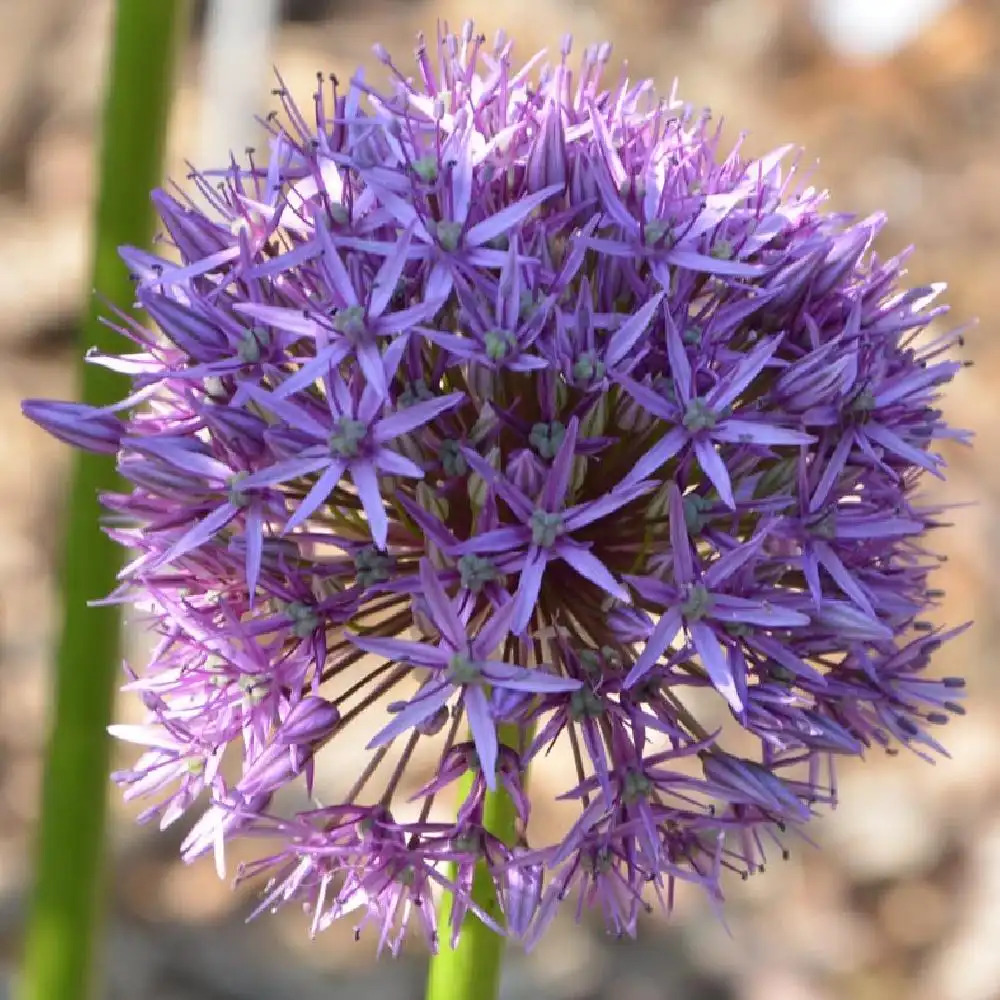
[[253, 687], [476, 571], [599, 862], [449, 234], [252, 345], [350, 321], [698, 604], [499, 344], [665, 387], [780, 673], [304, 619], [584, 704], [546, 439], [699, 416], [637, 786], [462, 670], [372, 566], [415, 392], [426, 168], [468, 843], [546, 528], [722, 250], [347, 437], [654, 231], [452, 459], [863, 403], [235, 494], [588, 368], [825, 527], [695, 507]]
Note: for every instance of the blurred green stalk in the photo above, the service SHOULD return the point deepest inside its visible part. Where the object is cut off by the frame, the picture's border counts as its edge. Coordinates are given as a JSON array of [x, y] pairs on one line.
[[66, 918], [472, 970]]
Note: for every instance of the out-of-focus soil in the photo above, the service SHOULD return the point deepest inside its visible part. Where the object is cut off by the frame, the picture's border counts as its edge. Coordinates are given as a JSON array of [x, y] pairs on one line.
[[903, 900]]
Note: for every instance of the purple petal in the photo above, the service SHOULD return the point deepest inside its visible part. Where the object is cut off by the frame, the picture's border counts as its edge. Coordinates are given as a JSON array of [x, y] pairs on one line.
[[742, 609], [557, 481], [734, 385], [877, 526], [384, 285], [370, 362], [680, 541], [842, 576], [506, 219], [534, 681], [586, 513], [315, 368], [521, 897], [495, 540], [282, 472], [713, 467], [508, 492], [494, 632], [528, 587], [291, 413], [254, 535], [891, 441], [278, 265], [315, 498], [421, 708], [713, 265], [441, 607], [650, 400], [366, 480], [280, 318], [834, 467], [402, 650], [591, 568], [337, 274], [76, 424], [394, 464], [736, 431], [484, 733], [412, 417], [404, 320], [656, 645], [727, 565], [177, 454], [716, 662], [631, 330], [199, 533], [680, 365], [851, 623], [657, 456]]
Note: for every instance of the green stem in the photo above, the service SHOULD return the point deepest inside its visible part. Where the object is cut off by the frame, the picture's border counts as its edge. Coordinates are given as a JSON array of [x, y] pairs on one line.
[[65, 920], [471, 971]]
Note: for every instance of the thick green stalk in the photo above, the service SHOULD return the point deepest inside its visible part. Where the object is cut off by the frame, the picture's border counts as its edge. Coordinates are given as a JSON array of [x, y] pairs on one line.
[[65, 921], [472, 970]]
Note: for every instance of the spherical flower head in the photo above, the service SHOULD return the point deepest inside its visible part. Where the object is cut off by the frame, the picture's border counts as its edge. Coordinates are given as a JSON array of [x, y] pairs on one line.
[[500, 408]]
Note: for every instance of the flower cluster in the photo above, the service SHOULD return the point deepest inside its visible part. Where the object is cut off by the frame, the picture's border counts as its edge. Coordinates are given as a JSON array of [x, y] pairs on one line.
[[503, 409]]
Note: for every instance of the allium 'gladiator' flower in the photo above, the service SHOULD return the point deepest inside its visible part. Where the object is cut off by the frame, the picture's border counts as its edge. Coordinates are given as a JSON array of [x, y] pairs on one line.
[[503, 408]]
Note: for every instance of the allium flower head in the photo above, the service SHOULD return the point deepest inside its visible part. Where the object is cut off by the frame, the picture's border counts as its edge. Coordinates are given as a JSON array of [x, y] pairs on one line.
[[500, 409]]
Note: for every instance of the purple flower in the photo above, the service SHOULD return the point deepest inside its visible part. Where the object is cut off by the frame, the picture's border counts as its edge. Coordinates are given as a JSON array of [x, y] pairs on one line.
[[461, 666], [82, 426], [483, 415]]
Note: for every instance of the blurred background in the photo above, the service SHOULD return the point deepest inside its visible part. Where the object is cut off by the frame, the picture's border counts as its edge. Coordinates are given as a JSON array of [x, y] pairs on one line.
[[898, 101]]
